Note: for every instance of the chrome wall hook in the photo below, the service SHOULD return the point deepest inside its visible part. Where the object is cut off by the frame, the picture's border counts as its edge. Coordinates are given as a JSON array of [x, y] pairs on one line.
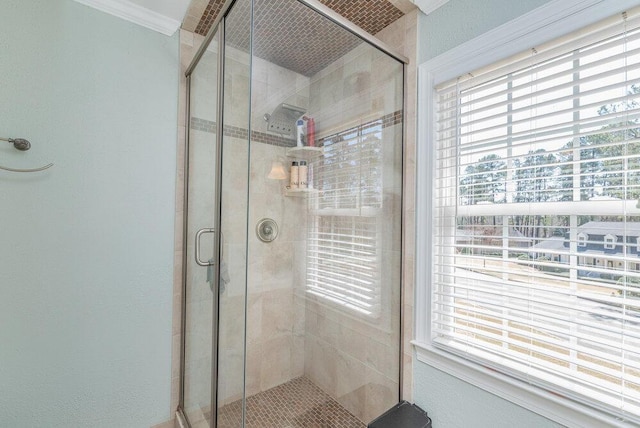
[[23, 145]]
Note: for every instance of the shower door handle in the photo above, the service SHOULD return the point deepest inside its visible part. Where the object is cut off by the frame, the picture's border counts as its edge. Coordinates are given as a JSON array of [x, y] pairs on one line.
[[198, 236]]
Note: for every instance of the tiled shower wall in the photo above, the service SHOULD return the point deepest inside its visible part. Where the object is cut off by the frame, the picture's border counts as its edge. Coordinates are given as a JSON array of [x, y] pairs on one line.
[[353, 358]]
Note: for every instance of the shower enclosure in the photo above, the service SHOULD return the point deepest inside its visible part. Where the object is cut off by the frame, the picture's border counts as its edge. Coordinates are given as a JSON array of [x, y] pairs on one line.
[[292, 285]]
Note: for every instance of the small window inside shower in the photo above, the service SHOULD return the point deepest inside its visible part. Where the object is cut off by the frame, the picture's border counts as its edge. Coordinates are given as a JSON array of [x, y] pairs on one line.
[[343, 251]]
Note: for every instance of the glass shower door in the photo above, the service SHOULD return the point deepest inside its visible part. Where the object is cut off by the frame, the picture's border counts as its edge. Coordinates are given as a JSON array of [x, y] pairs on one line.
[[216, 246], [234, 203], [201, 177]]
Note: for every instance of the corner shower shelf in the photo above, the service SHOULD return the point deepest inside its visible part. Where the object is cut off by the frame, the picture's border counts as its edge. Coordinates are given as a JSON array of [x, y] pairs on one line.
[[304, 153]]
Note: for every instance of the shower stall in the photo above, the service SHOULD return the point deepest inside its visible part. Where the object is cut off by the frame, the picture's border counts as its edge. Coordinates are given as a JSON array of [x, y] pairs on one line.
[[293, 200]]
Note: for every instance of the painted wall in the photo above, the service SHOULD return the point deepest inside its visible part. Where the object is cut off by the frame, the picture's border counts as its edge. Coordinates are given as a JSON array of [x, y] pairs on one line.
[[87, 247], [458, 21], [451, 402]]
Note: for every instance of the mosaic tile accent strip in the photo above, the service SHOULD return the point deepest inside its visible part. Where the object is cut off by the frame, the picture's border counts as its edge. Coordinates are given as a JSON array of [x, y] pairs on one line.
[[385, 121], [274, 140], [293, 36], [259, 137], [203, 125], [295, 404]]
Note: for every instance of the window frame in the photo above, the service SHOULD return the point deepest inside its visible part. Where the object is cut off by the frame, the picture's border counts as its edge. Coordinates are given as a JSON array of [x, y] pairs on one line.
[[550, 21]]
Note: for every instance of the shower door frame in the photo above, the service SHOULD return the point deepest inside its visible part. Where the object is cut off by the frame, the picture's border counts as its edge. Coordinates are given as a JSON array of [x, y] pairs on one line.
[[218, 28]]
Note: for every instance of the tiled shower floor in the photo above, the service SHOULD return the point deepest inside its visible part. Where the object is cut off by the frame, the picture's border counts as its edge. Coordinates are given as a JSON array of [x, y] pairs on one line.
[[295, 404]]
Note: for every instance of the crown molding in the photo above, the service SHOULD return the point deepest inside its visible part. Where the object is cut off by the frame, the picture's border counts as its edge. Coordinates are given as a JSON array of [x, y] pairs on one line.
[[428, 6], [136, 14]]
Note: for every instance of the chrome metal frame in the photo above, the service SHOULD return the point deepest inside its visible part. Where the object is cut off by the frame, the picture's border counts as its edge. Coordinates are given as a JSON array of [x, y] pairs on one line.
[[217, 253], [216, 29], [185, 218], [402, 230], [207, 41]]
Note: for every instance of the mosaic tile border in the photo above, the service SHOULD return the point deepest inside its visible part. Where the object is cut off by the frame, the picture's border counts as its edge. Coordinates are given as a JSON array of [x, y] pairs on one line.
[[204, 125], [209, 126], [383, 122]]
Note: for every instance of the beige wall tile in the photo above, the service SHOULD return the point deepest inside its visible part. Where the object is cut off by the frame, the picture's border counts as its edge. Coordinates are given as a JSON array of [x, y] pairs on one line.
[[276, 362], [351, 384], [407, 378], [255, 356], [382, 393]]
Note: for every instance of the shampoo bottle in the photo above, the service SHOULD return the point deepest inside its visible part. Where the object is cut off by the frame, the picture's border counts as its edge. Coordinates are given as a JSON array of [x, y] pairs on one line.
[[311, 132], [299, 132]]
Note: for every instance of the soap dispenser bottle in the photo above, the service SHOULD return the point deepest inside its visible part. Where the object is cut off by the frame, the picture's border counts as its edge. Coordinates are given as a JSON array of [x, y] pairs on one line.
[[294, 182]]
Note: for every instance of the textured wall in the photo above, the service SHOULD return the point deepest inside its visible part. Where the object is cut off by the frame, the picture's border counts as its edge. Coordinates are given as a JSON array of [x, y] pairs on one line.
[[461, 20], [453, 403], [86, 248]]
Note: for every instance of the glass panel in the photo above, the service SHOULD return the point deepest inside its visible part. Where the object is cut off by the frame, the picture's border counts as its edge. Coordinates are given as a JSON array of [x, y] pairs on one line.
[[200, 215], [235, 181], [323, 328]]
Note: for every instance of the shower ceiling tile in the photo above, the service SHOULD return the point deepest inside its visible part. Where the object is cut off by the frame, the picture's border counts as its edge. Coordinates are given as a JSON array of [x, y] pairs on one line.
[[292, 36], [210, 13], [298, 40], [370, 15]]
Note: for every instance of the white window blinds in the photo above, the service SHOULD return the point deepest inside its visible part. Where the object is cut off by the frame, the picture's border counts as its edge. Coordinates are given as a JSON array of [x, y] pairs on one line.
[[537, 213], [343, 248]]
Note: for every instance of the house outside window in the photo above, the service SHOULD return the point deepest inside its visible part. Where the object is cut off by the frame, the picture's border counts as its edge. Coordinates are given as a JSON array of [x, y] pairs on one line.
[[544, 146]]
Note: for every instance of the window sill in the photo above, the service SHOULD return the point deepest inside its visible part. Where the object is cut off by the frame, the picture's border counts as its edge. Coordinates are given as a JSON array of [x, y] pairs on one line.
[[544, 403]]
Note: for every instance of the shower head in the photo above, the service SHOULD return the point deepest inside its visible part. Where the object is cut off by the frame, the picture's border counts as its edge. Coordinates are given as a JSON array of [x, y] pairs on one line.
[[283, 119], [20, 144]]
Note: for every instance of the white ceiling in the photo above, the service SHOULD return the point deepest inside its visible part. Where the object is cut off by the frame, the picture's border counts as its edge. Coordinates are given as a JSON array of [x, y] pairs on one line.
[[174, 9], [164, 16], [428, 6]]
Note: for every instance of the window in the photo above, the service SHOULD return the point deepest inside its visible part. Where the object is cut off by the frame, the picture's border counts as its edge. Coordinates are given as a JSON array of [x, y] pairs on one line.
[[534, 155], [343, 252], [582, 239], [609, 242]]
